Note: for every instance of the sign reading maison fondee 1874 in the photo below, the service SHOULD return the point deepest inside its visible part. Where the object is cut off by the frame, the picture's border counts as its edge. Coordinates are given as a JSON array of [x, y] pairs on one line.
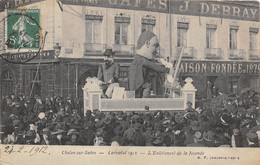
[[220, 67]]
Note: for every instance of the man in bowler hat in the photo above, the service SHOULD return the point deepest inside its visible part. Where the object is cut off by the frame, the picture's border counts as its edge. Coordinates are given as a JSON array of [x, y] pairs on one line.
[[108, 72]]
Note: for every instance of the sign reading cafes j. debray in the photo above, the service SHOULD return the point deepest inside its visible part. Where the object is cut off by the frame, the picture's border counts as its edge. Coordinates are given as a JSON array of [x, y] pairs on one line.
[[201, 8]]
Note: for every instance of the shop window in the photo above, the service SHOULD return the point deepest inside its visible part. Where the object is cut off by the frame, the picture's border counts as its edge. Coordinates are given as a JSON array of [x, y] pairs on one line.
[[148, 23], [182, 29], [233, 37], [212, 90], [234, 86], [35, 75], [254, 82], [7, 76], [253, 42], [211, 36], [7, 84], [233, 81]]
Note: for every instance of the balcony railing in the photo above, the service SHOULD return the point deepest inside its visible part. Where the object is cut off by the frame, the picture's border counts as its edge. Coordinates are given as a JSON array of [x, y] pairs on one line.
[[254, 54], [94, 48], [188, 52], [124, 49], [213, 53], [236, 54]]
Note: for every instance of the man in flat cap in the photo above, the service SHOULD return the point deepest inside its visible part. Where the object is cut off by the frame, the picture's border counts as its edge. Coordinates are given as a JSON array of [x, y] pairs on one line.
[[144, 63], [108, 72]]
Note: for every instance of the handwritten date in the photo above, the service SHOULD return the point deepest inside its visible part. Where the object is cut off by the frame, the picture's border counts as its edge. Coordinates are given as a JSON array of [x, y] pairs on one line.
[[30, 150]]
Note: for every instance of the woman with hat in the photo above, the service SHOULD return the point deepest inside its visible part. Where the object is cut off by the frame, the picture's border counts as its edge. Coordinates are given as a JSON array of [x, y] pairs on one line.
[[99, 141], [252, 139], [119, 130], [121, 120], [72, 137], [75, 120], [58, 137], [209, 138], [138, 137], [30, 137], [197, 137], [168, 135], [15, 137], [148, 133], [87, 135]]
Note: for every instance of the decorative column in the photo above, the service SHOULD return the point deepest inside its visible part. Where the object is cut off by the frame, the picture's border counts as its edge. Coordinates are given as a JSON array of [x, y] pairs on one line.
[[92, 94], [188, 92]]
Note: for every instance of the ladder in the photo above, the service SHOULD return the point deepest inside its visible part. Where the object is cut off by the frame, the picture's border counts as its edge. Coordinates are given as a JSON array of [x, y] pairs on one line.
[[168, 87]]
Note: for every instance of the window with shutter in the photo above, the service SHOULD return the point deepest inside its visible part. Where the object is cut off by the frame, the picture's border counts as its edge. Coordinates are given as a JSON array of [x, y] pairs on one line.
[[253, 42], [210, 36], [233, 37]]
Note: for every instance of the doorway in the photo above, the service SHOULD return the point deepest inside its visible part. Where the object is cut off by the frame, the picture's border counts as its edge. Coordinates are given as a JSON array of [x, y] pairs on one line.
[[7, 84]]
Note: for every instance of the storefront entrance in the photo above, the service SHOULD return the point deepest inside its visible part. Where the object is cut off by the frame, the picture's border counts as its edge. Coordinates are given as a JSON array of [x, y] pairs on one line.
[[7, 83]]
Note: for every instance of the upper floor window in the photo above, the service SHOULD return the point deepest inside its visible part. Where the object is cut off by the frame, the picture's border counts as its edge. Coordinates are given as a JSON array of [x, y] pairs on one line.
[[148, 23], [122, 22], [211, 36], [253, 35], [182, 29], [93, 28], [233, 37]]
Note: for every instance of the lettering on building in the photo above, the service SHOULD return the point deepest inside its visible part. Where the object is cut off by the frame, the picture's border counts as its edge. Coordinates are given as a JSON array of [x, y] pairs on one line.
[[199, 8], [219, 67]]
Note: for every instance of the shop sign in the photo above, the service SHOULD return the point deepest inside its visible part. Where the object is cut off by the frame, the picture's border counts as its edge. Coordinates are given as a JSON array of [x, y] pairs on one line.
[[219, 67], [10, 4], [217, 9], [199, 8], [48, 54]]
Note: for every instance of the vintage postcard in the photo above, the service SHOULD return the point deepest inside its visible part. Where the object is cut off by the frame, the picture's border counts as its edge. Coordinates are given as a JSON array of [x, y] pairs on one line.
[[129, 82]]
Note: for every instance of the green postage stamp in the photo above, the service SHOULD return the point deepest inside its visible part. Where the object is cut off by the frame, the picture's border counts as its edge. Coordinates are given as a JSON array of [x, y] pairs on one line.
[[23, 29]]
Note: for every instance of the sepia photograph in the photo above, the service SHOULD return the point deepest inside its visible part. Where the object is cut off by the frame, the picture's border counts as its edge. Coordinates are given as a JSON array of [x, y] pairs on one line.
[[117, 79]]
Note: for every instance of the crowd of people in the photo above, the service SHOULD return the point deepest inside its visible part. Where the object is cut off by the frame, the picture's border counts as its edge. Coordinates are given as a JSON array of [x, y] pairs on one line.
[[218, 122]]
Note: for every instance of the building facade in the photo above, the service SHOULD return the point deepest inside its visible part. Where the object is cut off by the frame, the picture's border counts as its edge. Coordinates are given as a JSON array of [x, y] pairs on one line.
[[220, 40]]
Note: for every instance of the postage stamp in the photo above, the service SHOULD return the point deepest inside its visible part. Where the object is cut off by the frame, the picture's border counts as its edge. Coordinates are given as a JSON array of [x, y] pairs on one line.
[[23, 34], [23, 30]]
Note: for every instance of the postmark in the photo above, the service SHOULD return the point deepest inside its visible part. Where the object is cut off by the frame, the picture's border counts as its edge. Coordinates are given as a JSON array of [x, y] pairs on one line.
[[22, 34]]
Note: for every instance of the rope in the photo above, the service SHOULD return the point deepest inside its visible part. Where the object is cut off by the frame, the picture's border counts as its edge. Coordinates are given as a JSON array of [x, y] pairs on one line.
[[37, 71]]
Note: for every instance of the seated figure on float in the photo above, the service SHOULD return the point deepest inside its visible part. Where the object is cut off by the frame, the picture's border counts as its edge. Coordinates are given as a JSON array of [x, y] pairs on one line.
[[144, 62]]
